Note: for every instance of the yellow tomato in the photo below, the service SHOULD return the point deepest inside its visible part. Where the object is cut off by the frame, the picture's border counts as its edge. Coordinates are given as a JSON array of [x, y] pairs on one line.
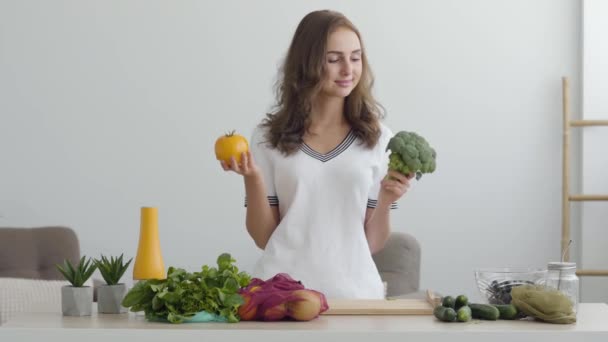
[[230, 145], [248, 310]]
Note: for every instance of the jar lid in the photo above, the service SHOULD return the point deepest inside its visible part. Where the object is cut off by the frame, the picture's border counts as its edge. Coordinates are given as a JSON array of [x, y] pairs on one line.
[[556, 265]]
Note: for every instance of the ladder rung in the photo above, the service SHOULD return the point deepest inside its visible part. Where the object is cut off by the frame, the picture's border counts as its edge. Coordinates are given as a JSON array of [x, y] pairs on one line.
[[588, 197], [578, 123], [592, 273]]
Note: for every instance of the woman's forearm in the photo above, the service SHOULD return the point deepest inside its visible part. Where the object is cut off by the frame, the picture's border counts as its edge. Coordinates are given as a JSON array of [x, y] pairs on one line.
[[377, 226], [262, 219]]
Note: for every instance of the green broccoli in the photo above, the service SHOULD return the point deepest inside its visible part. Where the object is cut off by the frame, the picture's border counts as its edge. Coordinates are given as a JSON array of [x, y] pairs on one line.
[[411, 153]]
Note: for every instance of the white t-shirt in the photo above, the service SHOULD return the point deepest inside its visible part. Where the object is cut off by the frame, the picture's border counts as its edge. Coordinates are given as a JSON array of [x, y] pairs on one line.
[[322, 200]]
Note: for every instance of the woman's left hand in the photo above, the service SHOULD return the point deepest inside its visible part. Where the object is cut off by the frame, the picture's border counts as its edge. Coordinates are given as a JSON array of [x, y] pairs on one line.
[[394, 186]]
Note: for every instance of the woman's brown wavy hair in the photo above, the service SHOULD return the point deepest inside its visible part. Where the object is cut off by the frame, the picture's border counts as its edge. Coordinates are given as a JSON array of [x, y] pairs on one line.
[[299, 83]]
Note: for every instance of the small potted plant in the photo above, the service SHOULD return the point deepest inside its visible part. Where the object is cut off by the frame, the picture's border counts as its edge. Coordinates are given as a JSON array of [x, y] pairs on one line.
[[77, 299], [109, 296]]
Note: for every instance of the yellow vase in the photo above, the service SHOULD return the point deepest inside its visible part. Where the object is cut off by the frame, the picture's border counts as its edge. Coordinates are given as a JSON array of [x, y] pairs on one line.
[[149, 260]]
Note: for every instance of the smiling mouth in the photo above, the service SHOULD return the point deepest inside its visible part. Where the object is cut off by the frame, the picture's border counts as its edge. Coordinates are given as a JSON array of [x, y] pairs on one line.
[[344, 83]]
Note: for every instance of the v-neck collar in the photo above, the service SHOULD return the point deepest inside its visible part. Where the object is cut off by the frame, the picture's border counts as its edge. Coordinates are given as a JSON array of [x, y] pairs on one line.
[[346, 142]]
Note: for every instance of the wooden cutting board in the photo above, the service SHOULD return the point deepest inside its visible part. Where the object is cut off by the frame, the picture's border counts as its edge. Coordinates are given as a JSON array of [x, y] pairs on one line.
[[378, 307]]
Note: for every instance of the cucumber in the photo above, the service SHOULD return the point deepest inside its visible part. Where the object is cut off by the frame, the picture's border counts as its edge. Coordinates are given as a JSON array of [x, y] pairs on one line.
[[461, 301], [464, 314], [444, 314], [484, 311], [448, 302], [507, 311]]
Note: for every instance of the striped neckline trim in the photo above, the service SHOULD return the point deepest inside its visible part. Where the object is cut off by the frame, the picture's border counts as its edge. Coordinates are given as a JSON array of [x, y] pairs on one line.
[[348, 140]]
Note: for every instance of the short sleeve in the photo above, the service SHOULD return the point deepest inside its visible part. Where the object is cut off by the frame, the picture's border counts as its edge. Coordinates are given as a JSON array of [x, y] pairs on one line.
[[380, 167], [262, 155]]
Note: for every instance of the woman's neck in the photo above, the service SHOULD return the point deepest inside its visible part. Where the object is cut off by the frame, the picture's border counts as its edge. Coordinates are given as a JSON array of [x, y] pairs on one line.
[[327, 113]]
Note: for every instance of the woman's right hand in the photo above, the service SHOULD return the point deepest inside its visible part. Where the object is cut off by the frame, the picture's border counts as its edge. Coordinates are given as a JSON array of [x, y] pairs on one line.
[[246, 167]]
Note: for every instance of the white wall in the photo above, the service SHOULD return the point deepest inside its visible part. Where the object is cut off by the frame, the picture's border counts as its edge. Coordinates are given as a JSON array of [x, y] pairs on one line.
[[111, 105], [595, 139]]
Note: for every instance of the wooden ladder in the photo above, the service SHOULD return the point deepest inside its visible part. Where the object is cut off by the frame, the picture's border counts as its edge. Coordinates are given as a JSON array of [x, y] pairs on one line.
[[567, 197]]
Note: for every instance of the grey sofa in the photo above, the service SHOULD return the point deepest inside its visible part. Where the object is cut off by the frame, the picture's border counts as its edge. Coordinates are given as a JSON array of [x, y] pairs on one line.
[[399, 264], [33, 252], [29, 280]]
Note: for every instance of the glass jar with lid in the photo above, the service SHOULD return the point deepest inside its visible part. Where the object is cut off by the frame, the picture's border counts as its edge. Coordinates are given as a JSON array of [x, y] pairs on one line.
[[562, 276]]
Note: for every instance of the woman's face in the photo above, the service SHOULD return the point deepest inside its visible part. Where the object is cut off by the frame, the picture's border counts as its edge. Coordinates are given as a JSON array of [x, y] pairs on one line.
[[342, 63]]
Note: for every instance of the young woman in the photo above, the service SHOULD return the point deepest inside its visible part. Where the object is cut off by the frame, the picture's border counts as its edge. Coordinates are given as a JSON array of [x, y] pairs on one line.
[[318, 194]]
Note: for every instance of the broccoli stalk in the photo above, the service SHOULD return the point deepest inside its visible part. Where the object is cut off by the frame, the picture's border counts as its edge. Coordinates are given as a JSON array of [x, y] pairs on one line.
[[411, 153]]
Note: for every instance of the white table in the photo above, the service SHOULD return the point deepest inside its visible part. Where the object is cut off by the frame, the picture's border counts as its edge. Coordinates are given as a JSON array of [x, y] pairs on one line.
[[592, 326]]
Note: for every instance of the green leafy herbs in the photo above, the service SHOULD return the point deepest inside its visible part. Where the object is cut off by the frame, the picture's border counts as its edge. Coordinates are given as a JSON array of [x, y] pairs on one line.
[[112, 269], [183, 294], [78, 275]]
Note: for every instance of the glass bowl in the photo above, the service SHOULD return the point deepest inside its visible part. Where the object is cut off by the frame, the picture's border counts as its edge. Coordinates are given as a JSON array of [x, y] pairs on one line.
[[495, 284]]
